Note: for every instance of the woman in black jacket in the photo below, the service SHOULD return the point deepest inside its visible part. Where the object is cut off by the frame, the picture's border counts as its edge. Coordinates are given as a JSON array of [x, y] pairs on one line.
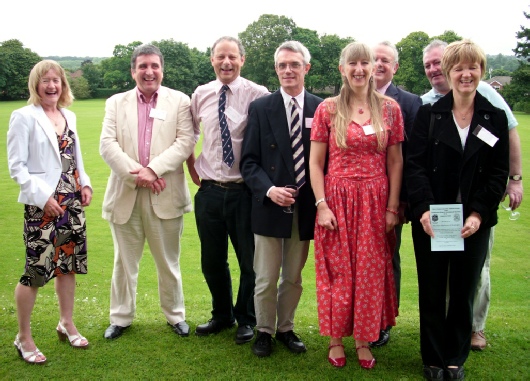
[[458, 154]]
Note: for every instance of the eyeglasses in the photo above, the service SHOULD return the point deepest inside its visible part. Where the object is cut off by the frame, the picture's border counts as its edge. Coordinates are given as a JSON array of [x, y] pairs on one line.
[[292, 65]]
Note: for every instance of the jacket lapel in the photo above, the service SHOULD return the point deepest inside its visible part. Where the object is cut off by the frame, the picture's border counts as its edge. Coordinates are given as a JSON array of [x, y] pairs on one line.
[[280, 129], [48, 129], [130, 103]]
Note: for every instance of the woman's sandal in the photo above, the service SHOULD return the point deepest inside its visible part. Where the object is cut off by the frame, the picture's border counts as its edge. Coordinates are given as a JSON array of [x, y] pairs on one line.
[[338, 362], [366, 364], [33, 357], [76, 341]]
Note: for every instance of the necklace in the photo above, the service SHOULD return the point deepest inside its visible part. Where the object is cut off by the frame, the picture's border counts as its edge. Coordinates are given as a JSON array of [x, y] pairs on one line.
[[360, 109], [54, 120], [463, 116]]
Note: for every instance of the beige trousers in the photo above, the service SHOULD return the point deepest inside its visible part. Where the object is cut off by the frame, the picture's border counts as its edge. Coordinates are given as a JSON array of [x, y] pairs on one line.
[[163, 237], [278, 259]]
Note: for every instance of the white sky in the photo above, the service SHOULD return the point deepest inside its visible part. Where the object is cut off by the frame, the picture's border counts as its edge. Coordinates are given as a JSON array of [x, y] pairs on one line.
[[92, 28]]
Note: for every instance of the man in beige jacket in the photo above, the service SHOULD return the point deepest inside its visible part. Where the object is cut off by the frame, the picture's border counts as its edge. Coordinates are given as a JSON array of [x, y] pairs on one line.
[[147, 135]]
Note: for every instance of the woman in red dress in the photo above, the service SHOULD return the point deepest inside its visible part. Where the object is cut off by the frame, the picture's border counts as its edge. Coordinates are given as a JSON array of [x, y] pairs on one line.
[[358, 135]]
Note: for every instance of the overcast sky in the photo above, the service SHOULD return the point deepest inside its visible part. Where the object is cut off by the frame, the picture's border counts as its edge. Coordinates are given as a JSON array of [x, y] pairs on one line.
[[92, 28]]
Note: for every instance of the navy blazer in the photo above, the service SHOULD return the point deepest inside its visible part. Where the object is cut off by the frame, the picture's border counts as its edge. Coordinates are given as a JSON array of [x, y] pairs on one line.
[[438, 169], [409, 104], [267, 160]]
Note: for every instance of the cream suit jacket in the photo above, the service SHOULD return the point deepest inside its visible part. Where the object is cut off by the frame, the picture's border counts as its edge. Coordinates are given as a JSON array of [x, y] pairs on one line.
[[171, 144], [33, 154]]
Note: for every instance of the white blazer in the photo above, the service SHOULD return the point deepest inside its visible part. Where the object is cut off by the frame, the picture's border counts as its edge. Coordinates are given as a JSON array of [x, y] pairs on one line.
[[33, 154]]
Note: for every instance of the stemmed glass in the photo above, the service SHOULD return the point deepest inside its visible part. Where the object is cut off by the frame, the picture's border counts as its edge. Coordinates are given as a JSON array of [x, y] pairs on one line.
[[290, 208], [514, 215]]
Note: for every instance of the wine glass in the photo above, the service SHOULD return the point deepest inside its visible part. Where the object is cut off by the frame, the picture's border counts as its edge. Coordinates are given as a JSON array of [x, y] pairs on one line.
[[290, 208], [514, 215]]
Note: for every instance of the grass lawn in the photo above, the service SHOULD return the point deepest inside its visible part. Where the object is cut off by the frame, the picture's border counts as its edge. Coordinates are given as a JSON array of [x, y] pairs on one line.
[[150, 350]]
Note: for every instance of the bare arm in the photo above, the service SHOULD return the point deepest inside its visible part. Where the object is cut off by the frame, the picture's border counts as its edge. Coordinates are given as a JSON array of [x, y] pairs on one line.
[[514, 189]]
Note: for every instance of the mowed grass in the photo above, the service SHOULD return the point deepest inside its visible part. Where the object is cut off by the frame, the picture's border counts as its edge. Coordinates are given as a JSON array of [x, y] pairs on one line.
[[149, 350]]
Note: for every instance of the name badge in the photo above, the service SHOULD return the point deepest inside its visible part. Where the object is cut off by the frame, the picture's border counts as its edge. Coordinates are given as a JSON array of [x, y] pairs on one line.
[[157, 114], [308, 122], [486, 136], [369, 130], [232, 114]]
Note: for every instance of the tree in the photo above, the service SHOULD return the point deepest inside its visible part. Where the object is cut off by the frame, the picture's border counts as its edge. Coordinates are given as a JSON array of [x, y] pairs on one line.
[[328, 56], [93, 76], [17, 63], [202, 67], [522, 49], [80, 87], [411, 74], [260, 39], [178, 70], [447, 36], [518, 90], [117, 69]]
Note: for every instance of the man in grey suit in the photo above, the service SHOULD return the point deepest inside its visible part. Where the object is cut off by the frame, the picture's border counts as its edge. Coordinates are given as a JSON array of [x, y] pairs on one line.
[[275, 154], [387, 64], [147, 135]]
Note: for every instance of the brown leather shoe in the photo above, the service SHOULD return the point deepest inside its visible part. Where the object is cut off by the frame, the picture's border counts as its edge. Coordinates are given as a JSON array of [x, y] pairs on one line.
[[478, 341]]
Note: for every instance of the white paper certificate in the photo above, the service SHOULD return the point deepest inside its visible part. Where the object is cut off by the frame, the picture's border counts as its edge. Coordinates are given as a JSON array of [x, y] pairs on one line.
[[447, 221]]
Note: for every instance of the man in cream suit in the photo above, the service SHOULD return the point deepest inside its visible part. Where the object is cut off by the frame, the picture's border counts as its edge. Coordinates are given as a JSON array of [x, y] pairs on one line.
[[147, 135]]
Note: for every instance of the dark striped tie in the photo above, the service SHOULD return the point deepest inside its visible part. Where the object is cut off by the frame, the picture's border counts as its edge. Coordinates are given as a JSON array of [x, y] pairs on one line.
[[296, 144], [228, 154]]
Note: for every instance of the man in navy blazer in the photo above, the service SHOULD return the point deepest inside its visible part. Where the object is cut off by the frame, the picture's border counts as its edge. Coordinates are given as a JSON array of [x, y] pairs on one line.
[[387, 57], [268, 164]]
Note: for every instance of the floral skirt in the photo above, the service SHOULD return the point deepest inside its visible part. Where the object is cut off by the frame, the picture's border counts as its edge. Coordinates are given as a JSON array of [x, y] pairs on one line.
[[54, 246]]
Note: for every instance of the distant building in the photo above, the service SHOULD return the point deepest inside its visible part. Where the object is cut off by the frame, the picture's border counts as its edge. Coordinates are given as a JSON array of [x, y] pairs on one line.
[[499, 82]]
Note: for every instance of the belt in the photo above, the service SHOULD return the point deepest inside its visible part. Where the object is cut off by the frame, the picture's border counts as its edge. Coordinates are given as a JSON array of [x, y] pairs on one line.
[[225, 185]]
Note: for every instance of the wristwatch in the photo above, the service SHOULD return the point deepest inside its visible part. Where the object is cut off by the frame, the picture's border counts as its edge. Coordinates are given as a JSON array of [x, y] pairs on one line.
[[516, 177]]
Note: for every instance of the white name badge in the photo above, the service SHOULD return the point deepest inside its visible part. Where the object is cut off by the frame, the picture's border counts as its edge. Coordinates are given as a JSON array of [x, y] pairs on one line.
[[486, 136], [369, 130], [157, 114], [308, 122], [233, 115]]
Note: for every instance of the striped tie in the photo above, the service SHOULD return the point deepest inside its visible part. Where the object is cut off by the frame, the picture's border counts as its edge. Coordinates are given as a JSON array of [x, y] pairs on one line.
[[228, 154], [296, 144]]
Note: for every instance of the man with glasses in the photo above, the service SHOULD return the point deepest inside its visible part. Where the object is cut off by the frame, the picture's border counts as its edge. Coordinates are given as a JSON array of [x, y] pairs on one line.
[[275, 155]]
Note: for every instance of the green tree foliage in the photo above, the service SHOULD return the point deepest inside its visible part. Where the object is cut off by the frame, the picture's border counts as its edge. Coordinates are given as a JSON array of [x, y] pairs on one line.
[[260, 39], [328, 56], [522, 49], [447, 36], [93, 76], [411, 74], [203, 71], [80, 87], [178, 71], [16, 63], [519, 88], [117, 69], [502, 62]]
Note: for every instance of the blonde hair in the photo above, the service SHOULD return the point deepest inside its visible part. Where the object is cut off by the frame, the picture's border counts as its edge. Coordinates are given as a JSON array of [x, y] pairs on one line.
[[462, 51], [36, 74], [342, 115]]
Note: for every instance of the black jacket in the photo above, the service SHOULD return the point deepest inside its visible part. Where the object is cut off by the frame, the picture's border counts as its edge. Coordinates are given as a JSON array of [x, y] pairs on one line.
[[267, 160], [437, 170]]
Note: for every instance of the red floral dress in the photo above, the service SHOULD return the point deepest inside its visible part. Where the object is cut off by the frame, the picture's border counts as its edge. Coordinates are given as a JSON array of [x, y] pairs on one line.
[[354, 277]]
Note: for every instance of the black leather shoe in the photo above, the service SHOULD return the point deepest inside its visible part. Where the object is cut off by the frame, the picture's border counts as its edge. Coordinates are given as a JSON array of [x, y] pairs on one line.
[[454, 373], [114, 331], [244, 334], [262, 347], [384, 336], [433, 373], [212, 326], [292, 341], [181, 328]]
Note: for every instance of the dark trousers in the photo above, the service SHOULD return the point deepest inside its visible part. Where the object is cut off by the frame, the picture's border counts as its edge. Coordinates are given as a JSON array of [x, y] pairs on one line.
[[445, 336], [396, 261], [221, 213]]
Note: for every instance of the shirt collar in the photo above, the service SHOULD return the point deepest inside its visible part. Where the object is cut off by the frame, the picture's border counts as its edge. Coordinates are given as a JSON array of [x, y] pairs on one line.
[[141, 97], [234, 85], [287, 98]]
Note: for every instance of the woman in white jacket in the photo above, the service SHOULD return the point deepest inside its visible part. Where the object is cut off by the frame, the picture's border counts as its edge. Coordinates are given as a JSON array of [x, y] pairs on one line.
[[45, 159]]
